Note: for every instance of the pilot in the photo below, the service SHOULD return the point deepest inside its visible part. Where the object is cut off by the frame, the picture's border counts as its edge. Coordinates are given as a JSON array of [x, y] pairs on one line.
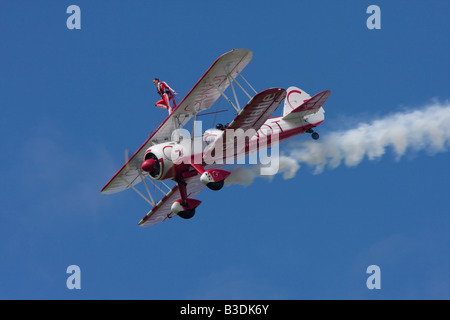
[[166, 93]]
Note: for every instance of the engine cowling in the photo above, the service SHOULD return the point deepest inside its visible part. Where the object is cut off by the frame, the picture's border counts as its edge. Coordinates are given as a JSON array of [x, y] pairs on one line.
[[158, 160]]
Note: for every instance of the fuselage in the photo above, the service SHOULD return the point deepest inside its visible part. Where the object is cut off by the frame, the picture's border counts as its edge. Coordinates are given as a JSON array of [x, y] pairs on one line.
[[174, 158]]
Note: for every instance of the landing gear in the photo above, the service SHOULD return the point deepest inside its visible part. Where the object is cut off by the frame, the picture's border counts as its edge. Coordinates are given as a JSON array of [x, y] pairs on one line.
[[184, 207], [187, 214], [216, 185], [214, 179], [314, 134]]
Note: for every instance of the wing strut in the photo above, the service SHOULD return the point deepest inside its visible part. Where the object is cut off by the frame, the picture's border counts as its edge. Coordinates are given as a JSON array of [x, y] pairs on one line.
[[224, 95], [146, 188], [243, 90], [247, 83], [156, 186], [193, 132], [148, 199], [234, 93], [152, 203], [236, 107]]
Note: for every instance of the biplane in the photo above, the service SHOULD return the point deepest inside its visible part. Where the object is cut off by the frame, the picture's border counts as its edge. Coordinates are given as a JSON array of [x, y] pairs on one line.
[[169, 154]]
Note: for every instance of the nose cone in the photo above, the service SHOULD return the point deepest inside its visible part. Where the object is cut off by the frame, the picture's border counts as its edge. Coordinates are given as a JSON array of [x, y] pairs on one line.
[[148, 165]]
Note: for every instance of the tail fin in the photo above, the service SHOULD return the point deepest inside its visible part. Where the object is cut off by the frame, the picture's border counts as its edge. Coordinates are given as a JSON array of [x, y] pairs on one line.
[[308, 109], [295, 97]]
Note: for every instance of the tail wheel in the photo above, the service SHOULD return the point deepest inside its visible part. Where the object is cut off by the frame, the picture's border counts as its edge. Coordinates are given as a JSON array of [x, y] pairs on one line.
[[315, 135], [187, 214]]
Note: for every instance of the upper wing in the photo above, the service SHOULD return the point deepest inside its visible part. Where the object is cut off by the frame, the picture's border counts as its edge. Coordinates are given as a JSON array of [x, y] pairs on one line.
[[163, 209], [205, 92], [202, 96], [309, 107], [252, 116]]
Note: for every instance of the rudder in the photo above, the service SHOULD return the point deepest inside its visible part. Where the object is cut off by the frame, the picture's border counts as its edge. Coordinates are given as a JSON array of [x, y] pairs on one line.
[[295, 97]]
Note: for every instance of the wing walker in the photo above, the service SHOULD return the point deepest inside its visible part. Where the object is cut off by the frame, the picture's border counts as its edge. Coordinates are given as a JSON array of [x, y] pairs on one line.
[[190, 161]]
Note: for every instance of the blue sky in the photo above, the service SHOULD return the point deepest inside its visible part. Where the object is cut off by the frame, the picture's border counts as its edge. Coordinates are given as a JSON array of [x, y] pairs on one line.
[[71, 102]]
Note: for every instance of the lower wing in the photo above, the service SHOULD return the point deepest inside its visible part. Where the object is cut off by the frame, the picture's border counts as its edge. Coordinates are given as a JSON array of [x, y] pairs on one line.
[[163, 209]]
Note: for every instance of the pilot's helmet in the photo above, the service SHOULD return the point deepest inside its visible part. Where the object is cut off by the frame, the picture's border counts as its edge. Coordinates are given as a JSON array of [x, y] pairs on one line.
[[220, 126]]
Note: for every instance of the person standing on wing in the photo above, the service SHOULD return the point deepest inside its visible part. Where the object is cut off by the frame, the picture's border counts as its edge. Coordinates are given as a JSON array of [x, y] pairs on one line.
[[166, 93]]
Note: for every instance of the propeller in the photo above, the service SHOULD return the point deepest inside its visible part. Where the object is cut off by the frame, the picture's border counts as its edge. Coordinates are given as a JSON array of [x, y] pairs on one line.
[[148, 165]]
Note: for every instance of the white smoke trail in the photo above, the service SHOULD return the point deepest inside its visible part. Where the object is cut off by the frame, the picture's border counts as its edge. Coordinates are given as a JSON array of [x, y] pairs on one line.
[[426, 129]]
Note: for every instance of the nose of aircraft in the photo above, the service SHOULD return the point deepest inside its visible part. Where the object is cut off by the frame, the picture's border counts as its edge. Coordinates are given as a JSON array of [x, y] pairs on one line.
[[148, 165]]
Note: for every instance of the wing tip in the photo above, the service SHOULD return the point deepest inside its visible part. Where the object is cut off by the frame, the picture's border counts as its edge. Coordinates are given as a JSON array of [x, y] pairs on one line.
[[142, 222]]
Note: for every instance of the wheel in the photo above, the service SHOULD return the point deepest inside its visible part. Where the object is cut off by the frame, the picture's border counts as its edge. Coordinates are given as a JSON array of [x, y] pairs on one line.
[[187, 214], [216, 185], [315, 135]]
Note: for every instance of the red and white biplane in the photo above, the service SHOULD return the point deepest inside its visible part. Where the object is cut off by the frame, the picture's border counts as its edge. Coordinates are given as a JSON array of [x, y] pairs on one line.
[[169, 154]]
